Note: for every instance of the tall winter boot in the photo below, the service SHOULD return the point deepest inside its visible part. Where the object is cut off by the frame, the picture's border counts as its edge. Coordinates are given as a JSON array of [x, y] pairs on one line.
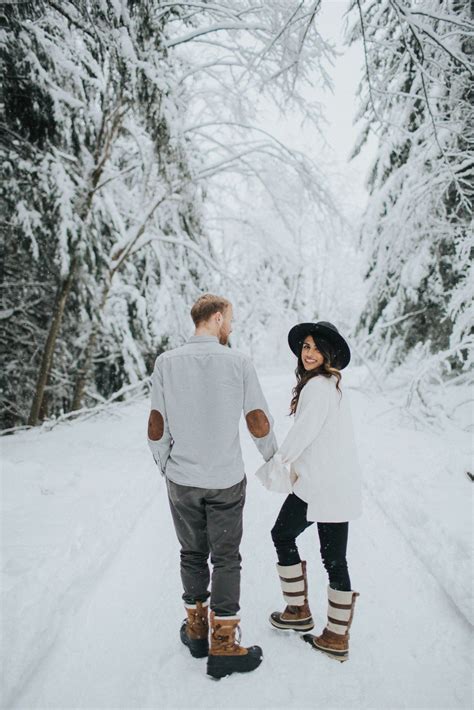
[[226, 655], [194, 632], [334, 641], [294, 585]]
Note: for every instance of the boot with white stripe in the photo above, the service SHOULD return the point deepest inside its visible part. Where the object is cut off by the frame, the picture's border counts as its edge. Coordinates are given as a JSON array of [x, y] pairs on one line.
[[334, 641], [294, 585]]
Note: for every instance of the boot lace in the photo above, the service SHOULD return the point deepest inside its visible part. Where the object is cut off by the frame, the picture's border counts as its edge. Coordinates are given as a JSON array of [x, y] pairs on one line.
[[239, 636], [227, 639]]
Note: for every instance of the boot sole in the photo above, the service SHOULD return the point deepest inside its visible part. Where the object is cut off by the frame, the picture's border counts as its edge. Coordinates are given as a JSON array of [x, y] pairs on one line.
[[221, 666], [340, 656], [198, 648], [292, 626]]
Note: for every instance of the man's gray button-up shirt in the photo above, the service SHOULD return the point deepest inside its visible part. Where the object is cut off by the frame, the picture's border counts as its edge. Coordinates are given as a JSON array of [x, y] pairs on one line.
[[199, 393]]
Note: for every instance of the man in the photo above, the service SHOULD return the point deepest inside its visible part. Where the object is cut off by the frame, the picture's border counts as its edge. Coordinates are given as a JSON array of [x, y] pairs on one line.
[[199, 393]]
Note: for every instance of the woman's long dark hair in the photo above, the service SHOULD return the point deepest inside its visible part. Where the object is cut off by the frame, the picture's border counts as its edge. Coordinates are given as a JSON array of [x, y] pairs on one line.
[[326, 370]]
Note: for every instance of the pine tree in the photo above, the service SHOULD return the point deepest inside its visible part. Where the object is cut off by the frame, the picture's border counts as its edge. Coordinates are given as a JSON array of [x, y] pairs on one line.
[[120, 121], [417, 96], [100, 96]]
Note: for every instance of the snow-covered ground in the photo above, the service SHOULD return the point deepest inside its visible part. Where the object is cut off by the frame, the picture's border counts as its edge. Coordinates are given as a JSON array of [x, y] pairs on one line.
[[90, 582]]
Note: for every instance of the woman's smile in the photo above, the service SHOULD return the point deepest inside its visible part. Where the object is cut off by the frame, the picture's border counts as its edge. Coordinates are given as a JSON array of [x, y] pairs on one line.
[[310, 355]]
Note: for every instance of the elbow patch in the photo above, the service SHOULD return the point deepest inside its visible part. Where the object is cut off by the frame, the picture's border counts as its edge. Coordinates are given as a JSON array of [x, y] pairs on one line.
[[258, 424], [156, 425]]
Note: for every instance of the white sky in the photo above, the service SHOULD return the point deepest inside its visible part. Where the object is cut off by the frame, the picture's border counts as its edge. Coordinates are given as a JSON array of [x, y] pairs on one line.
[[340, 110], [341, 106], [348, 69]]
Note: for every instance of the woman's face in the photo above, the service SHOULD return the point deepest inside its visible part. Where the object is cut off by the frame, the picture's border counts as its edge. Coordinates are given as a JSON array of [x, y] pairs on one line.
[[310, 354]]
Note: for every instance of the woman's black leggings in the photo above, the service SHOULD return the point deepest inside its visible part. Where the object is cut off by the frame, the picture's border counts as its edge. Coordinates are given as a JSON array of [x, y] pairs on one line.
[[292, 521]]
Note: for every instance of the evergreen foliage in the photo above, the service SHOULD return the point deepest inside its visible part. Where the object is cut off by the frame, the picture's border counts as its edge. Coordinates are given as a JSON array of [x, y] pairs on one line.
[[417, 97], [109, 112]]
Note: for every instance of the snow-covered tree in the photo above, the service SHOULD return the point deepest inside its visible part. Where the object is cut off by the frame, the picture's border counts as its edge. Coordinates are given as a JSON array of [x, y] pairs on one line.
[[417, 97], [80, 96], [122, 121]]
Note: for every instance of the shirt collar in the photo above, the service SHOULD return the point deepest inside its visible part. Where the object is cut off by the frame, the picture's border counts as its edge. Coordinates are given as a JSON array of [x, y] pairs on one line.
[[203, 339]]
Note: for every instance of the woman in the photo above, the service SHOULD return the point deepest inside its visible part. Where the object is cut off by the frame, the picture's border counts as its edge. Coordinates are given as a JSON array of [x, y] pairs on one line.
[[325, 481]]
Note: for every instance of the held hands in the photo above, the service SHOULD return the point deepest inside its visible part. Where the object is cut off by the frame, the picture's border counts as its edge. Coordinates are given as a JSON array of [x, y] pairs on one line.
[[275, 476]]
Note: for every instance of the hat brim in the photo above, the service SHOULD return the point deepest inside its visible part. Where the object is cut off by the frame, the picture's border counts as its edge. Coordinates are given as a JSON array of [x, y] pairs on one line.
[[299, 332]]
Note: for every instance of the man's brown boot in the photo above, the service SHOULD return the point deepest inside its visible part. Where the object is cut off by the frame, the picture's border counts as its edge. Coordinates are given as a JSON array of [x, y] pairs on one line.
[[334, 641], [294, 585], [226, 655], [194, 632]]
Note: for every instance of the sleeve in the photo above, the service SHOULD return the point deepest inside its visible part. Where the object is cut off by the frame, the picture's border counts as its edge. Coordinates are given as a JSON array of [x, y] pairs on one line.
[[257, 415], [159, 437], [313, 408]]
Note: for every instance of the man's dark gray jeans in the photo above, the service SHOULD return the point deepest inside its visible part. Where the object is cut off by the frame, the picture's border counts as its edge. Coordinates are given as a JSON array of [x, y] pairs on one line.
[[209, 522]]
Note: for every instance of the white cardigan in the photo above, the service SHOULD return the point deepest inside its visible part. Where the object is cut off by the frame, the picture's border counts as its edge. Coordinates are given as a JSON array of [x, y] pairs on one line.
[[320, 449]]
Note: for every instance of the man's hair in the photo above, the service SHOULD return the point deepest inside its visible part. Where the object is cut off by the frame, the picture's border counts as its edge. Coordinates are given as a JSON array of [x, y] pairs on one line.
[[206, 306]]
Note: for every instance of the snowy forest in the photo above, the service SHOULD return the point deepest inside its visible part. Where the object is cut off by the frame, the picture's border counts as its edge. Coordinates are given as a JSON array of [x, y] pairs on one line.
[[308, 160], [139, 171]]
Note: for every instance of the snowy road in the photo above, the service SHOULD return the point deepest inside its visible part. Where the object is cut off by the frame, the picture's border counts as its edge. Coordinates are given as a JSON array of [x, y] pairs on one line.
[[116, 642]]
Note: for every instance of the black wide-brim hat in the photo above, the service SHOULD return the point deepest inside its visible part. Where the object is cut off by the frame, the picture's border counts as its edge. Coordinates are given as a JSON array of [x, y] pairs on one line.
[[325, 331]]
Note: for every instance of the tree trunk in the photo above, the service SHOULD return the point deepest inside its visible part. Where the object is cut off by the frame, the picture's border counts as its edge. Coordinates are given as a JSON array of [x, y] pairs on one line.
[[46, 360], [83, 371], [65, 288]]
